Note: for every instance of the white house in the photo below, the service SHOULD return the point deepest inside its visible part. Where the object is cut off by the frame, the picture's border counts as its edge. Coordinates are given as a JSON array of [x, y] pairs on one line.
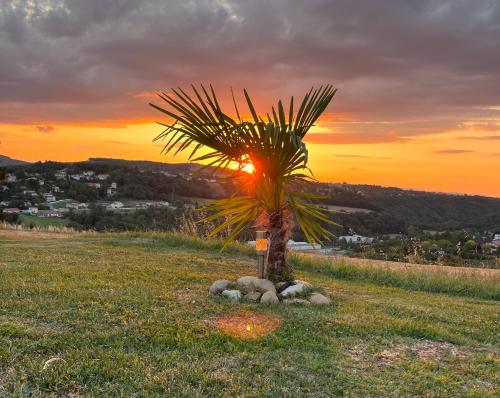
[[11, 210], [33, 210], [50, 213], [116, 205], [102, 177], [88, 174], [49, 197], [11, 178], [60, 175], [496, 237], [356, 239], [77, 177]]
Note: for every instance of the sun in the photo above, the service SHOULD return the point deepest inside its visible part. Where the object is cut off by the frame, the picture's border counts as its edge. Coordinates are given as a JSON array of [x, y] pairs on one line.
[[248, 168]]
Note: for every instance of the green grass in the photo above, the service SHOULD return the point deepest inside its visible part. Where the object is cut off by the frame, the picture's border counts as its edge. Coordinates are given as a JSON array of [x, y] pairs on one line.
[[129, 315], [43, 222]]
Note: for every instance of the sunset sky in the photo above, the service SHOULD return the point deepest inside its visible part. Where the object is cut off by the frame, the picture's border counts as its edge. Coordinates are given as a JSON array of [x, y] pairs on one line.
[[418, 101]]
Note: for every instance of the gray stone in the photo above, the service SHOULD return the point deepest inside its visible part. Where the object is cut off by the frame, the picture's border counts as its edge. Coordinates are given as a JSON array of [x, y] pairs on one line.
[[296, 301], [280, 284], [233, 295], [247, 283], [264, 285], [269, 298], [252, 296], [293, 290], [319, 299], [306, 284], [218, 287]]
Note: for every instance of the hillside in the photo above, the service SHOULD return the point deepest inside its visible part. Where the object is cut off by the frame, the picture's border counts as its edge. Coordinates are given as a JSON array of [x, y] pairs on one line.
[[6, 161], [382, 210], [129, 315]]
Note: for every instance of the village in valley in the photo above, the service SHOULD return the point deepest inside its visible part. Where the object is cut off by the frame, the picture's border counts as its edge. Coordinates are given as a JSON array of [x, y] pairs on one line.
[[104, 195]]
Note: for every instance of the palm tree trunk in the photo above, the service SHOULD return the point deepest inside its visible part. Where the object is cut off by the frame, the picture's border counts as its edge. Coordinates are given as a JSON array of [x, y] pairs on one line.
[[280, 229]]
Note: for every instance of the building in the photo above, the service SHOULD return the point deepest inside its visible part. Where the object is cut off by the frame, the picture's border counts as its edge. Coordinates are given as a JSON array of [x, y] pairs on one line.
[[49, 197], [357, 239], [30, 193], [50, 213], [496, 237], [77, 177], [33, 210], [116, 205], [96, 185], [11, 210], [55, 188], [11, 178], [88, 174], [60, 175], [102, 177]]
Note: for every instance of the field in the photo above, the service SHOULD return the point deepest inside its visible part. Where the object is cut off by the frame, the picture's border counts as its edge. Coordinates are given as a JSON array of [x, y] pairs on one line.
[[28, 220], [128, 315]]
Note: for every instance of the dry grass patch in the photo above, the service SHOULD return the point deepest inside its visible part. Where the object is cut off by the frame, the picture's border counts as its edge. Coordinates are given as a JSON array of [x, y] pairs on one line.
[[247, 325]]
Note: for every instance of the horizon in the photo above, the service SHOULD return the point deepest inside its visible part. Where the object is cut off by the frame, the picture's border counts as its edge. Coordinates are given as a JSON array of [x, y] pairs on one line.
[[318, 181], [417, 106]]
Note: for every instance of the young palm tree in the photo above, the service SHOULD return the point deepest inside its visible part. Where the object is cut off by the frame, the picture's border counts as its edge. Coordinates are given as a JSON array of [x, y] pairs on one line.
[[272, 196]]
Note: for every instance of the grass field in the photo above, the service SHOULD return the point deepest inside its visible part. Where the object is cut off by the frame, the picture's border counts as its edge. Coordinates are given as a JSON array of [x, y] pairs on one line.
[[28, 220], [128, 315]]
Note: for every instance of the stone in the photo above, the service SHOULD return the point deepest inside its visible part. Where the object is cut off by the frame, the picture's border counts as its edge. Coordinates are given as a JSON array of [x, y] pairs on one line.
[[269, 298], [252, 296], [293, 290], [233, 295], [247, 282], [280, 286], [218, 287], [319, 299], [306, 284], [296, 301], [264, 285]]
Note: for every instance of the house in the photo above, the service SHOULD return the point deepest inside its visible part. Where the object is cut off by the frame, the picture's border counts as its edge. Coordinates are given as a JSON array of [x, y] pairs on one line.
[[102, 177], [88, 174], [356, 239], [55, 188], [496, 237], [77, 177], [49, 197], [60, 175], [112, 189], [11, 178], [11, 210], [30, 193], [116, 205], [32, 210], [94, 185], [49, 213], [4, 203]]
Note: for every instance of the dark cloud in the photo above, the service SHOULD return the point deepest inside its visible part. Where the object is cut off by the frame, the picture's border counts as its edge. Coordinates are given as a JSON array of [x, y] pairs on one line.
[[453, 151], [481, 137], [394, 61]]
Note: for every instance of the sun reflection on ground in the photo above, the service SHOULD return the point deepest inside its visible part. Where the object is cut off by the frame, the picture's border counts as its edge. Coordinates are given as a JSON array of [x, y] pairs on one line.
[[247, 325]]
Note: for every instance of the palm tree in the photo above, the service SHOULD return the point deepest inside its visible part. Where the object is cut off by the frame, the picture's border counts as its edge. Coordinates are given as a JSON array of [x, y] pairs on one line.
[[272, 196]]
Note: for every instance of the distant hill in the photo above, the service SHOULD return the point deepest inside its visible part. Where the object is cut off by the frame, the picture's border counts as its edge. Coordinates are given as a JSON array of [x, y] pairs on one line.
[[392, 210], [6, 161]]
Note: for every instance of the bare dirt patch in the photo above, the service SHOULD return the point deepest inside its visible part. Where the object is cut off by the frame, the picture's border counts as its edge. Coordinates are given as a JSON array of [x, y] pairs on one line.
[[247, 325]]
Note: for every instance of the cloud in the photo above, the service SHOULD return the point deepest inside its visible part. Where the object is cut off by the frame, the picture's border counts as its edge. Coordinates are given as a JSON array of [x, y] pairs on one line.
[[353, 138], [481, 137], [41, 128], [453, 151], [392, 60]]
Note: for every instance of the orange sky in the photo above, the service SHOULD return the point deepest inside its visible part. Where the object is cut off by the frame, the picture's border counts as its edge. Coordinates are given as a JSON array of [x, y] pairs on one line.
[[454, 161], [418, 104]]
